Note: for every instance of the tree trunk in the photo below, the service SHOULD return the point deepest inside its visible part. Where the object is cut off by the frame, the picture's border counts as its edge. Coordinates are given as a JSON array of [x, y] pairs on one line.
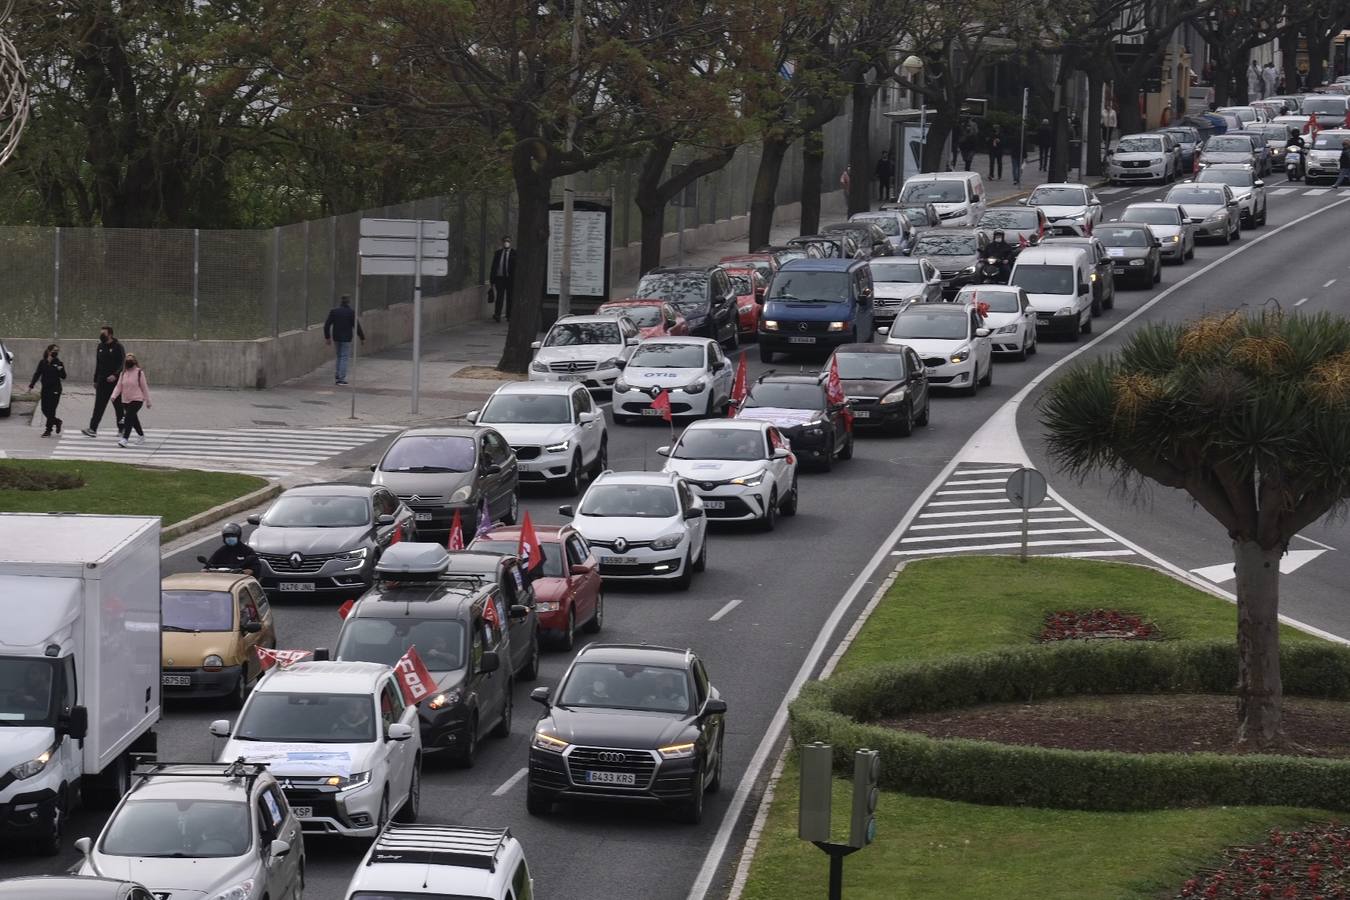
[[1059, 154], [1228, 78], [763, 200], [1092, 128], [935, 145], [534, 185], [859, 197], [1289, 46], [1260, 694], [650, 202], [1128, 120], [813, 164]]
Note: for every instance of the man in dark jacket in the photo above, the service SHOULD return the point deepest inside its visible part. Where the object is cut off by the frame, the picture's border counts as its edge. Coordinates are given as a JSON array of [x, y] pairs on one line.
[[233, 553], [1044, 135], [503, 277], [885, 174], [338, 329], [108, 361], [1343, 177]]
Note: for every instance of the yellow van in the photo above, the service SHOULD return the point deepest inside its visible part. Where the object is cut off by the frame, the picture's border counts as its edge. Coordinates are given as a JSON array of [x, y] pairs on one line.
[[211, 623]]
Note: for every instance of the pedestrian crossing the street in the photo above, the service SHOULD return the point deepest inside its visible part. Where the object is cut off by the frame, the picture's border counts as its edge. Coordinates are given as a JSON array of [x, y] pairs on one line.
[[272, 452], [970, 513]]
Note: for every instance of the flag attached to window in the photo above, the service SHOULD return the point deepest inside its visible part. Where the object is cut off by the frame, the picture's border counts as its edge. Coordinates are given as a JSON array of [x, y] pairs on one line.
[[414, 680], [283, 658]]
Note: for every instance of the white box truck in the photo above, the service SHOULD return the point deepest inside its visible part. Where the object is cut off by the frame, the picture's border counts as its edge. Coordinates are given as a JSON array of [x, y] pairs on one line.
[[79, 664]]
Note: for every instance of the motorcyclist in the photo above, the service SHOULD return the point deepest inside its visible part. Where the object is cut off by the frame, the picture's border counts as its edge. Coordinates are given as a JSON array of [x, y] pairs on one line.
[[1296, 142], [233, 552], [1001, 250]]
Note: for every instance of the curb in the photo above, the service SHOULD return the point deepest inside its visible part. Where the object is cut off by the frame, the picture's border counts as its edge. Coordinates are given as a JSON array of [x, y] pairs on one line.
[[216, 513]]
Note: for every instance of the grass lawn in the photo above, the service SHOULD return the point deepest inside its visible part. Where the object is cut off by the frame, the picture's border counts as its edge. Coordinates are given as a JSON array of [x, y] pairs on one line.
[[940, 848], [118, 489]]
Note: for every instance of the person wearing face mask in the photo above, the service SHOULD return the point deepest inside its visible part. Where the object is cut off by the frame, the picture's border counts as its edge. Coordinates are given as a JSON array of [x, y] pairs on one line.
[[134, 393], [503, 278], [233, 553], [108, 362], [50, 373]]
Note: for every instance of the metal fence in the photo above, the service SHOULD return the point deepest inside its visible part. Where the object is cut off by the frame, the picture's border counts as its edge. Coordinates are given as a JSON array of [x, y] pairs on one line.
[[190, 284]]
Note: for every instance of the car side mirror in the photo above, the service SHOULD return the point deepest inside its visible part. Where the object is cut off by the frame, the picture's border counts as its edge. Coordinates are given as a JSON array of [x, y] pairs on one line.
[[588, 417], [694, 513], [220, 728], [982, 332], [1022, 202], [579, 569], [488, 662], [535, 345], [383, 520], [85, 846], [1258, 183], [203, 560], [540, 695], [781, 453], [884, 329], [471, 416], [517, 611], [566, 510], [374, 466], [662, 451], [254, 520], [1232, 204], [251, 627], [491, 469], [278, 849], [714, 706], [397, 731], [76, 722]]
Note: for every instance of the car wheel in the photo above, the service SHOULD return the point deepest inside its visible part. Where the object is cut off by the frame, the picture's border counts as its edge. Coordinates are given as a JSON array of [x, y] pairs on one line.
[[927, 408], [569, 639], [407, 813], [765, 354], [597, 620], [382, 817], [1087, 325], [715, 784], [846, 452], [1265, 211], [769, 520], [572, 483], [503, 728], [1021, 355], [905, 427], [988, 378], [513, 512], [50, 843], [1096, 307], [686, 577], [530, 671], [701, 563], [827, 463], [1190, 254], [621, 419], [1157, 272], [735, 342], [537, 803], [690, 812], [467, 754], [601, 458], [5, 410], [789, 507]]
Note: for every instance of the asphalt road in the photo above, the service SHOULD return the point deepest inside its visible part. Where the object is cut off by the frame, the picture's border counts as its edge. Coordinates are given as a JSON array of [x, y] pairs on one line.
[[788, 583]]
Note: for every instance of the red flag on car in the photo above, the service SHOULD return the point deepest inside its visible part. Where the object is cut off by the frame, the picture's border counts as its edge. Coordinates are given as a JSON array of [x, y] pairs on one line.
[[661, 403], [739, 387], [284, 658], [413, 678], [528, 548], [834, 392], [1022, 242], [398, 534], [456, 539], [346, 608]]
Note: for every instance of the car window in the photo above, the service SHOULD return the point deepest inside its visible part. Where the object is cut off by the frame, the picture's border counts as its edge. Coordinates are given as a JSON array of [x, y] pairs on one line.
[[700, 682], [576, 554], [388, 503], [391, 703], [274, 798], [498, 450], [248, 607], [577, 406], [69, 687], [520, 882], [476, 641], [269, 821], [712, 358], [686, 497], [572, 334], [669, 314], [260, 599]]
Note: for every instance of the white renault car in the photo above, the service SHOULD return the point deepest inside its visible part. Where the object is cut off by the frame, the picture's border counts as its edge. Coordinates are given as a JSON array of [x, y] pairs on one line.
[[742, 469], [338, 736], [644, 526], [587, 350], [556, 431], [6, 380], [952, 341], [1008, 314], [692, 370], [1070, 208]]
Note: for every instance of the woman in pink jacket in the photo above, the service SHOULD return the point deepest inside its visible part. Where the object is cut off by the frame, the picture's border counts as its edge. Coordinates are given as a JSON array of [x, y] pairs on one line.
[[134, 393]]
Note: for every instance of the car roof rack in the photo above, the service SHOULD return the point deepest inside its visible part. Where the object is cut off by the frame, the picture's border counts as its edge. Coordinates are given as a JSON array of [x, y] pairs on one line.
[[241, 769], [446, 845]]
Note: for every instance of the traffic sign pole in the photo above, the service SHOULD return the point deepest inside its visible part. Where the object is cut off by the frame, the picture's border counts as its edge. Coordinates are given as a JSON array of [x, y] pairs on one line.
[[1025, 488], [417, 322], [1026, 511]]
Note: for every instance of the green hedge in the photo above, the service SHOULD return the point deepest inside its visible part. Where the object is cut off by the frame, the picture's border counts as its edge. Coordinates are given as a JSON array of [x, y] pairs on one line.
[[838, 712]]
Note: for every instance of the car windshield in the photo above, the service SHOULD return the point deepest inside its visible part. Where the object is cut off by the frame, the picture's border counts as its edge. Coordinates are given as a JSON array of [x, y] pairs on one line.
[[936, 243], [896, 272], [1229, 144], [1122, 237], [1152, 215], [687, 291], [720, 443], [670, 356], [577, 334], [552, 567], [997, 301], [639, 501], [1139, 145], [1197, 196], [871, 366], [311, 511], [786, 395], [828, 249], [1183, 137], [526, 409], [890, 225], [786, 256], [440, 642], [1244, 113], [932, 324], [1058, 196], [940, 191], [645, 316], [1324, 106], [740, 284], [191, 829], [1235, 177], [917, 215], [1022, 219], [285, 717], [26, 696], [430, 453], [1044, 279], [1328, 142], [197, 611], [810, 287], [626, 686]]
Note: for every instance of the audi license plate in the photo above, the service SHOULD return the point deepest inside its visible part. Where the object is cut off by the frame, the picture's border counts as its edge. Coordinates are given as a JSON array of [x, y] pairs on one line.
[[301, 586], [618, 560], [795, 339], [862, 414], [175, 680], [714, 504], [303, 812], [421, 517], [626, 779]]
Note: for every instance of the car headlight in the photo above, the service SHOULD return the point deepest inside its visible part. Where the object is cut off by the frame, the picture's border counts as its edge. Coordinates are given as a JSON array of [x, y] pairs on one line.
[[1176, 239], [608, 363], [694, 387], [358, 553], [1008, 329], [838, 326], [968, 270], [769, 324], [560, 447], [621, 387], [752, 480], [538, 367], [347, 782], [961, 355], [1215, 216], [1136, 262], [2, 377], [668, 541], [544, 741], [443, 699], [462, 494], [1065, 311], [544, 606], [1092, 276], [33, 766], [241, 891], [896, 396], [677, 751], [213, 663], [1157, 162]]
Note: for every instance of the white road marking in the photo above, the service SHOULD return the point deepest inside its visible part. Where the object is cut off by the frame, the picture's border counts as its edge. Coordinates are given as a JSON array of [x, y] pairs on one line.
[[927, 539], [1002, 511], [974, 491], [980, 481], [963, 502], [1281, 191], [990, 522], [1007, 471], [1076, 554], [1316, 543], [1301, 301], [1316, 192], [1329, 283], [930, 551], [724, 610], [510, 783], [1292, 561], [1112, 190]]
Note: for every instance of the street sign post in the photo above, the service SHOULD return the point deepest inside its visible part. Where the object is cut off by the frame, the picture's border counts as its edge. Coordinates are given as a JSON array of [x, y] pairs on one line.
[[413, 247], [813, 817], [1025, 488]]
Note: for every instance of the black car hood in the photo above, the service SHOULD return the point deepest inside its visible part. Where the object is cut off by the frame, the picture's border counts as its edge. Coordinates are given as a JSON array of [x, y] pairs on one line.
[[267, 539], [590, 727], [948, 263], [868, 387]]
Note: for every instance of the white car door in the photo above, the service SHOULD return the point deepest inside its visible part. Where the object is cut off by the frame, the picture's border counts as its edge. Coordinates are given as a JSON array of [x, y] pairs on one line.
[[397, 764], [780, 468], [984, 346], [589, 431], [721, 377], [697, 526]]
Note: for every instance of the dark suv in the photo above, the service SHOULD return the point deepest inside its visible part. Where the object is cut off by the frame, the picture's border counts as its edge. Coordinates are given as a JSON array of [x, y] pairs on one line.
[[628, 723], [702, 294], [454, 624], [508, 574], [797, 405]]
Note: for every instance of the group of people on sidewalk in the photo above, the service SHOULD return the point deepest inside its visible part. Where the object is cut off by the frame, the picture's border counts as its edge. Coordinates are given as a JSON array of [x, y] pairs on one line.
[[118, 379]]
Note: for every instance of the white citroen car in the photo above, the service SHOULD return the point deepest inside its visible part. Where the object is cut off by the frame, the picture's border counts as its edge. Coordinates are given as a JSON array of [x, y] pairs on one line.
[[1008, 314], [1070, 208], [743, 470], [692, 370], [952, 341], [587, 350], [556, 430], [644, 526], [6, 380], [338, 736]]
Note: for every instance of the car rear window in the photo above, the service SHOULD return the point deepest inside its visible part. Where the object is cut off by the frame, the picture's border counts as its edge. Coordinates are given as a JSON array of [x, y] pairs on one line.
[[197, 610], [1044, 279]]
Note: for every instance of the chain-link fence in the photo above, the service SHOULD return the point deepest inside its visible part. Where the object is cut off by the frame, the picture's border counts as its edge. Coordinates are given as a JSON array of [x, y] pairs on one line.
[[189, 284]]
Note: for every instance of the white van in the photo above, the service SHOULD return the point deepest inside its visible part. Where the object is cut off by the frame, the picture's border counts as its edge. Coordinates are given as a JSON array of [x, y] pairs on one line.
[[959, 197], [1058, 283]]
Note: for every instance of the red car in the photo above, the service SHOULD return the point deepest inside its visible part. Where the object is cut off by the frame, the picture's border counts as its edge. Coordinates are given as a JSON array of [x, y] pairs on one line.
[[653, 317], [750, 287], [765, 260], [562, 601]]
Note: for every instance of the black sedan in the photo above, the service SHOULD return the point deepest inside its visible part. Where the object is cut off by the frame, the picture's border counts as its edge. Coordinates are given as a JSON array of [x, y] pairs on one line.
[[886, 384], [797, 405], [956, 252], [1134, 251], [636, 723]]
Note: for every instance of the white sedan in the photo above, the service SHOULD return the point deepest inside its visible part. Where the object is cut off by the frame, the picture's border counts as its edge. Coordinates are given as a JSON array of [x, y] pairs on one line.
[[1008, 314], [691, 370], [952, 341], [743, 470], [587, 350]]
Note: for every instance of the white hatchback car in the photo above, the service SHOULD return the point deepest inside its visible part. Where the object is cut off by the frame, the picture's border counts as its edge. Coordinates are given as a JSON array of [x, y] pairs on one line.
[[6, 380], [952, 341], [644, 526], [692, 370], [742, 469], [1008, 314], [442, 861], [346, 748], [1070, 208], [585, 349], [556, 431]]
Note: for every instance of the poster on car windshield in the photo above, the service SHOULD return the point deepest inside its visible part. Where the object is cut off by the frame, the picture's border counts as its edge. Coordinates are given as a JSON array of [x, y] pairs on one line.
[[303, 760]]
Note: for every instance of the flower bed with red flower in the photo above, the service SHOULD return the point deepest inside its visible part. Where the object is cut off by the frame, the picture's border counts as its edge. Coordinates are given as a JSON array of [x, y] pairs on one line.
[[1097, 624], [1311, 864]]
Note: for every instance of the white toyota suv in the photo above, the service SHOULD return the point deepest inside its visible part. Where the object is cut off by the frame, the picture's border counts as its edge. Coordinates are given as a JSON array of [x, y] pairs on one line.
[[340, 739], [440, 862], [585, 349], [692, 370], [644, 526], [952, 341], [742, 469], [556, 431]]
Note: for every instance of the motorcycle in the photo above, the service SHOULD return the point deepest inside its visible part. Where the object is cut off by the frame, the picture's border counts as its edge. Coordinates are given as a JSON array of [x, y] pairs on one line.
[[993, 271], [1293, 164]]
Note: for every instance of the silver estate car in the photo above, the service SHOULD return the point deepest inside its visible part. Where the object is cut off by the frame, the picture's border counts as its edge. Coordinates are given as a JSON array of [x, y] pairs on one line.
[[1169, 224], [1212, 208], [1249, 189]]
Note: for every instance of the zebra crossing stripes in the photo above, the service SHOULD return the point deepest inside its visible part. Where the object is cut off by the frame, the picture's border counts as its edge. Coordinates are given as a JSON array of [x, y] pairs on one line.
[[1316, 192], [970, 513], [1280, 192]]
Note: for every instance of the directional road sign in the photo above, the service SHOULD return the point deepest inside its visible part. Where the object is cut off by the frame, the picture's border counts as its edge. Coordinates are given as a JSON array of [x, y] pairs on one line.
[[404, 228], [382, 246], [402, 265]]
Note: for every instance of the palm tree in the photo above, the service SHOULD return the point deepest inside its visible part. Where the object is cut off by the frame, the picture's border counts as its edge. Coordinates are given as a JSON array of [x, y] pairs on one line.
[[1247, 413]]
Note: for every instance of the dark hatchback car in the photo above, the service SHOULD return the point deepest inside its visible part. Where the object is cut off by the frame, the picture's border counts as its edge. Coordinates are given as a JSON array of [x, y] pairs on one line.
[[886, 386], [797, 405], [956, 252], [323, 540], [634, 723], [830, 246], [507, 572], [702, 294], [1134, 252], [925, 216], [451, 623], [785, 255], [869, 236]]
